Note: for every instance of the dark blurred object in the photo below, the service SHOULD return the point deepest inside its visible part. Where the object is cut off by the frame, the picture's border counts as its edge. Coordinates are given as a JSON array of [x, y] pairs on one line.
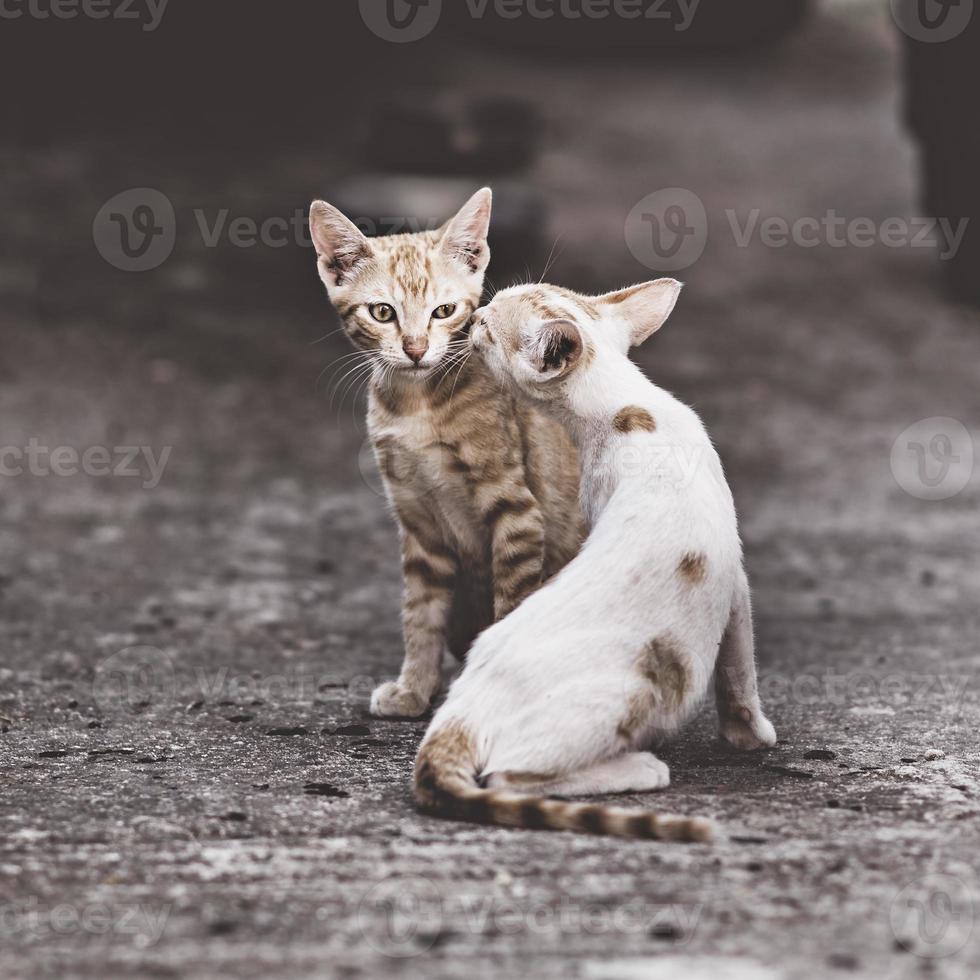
[[941, 106], [650, 23], [420, 135], [423, 155]]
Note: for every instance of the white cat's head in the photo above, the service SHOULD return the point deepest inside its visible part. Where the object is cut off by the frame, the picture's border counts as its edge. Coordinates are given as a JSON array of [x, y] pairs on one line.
[[539, 338], [405, 298]]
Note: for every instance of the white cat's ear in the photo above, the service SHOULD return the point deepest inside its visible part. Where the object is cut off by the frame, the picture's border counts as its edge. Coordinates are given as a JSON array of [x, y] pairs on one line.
[[644, 308], [464, 238], [340, 244], [555, 347]]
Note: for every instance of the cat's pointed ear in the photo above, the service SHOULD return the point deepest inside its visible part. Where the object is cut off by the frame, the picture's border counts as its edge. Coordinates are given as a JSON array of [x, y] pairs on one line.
[[464, 238], [643, 309], [555, 347], [340, 245]]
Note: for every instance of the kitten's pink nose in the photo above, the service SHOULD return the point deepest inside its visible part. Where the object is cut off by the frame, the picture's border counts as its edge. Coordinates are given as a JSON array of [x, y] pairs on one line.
[[415, 348]]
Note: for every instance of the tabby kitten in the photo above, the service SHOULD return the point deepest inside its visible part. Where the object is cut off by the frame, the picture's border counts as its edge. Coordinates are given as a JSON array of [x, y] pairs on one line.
[[485, 491]]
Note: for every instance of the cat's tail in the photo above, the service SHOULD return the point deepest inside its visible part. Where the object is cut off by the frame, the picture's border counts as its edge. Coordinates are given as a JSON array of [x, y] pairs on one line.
[[446, 785]]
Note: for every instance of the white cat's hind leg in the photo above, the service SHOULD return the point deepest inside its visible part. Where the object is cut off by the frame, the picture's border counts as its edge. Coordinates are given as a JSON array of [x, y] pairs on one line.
[[742, 723], [634, 772]]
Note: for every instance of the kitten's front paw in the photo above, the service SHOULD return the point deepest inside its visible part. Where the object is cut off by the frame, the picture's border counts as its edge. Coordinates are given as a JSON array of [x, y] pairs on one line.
[[391, 700], [749, 735]]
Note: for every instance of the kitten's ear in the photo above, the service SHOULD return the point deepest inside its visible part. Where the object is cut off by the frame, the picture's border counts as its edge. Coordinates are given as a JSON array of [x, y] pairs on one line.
[[644, 308], [340, 244], [556, 347], [464, 238]]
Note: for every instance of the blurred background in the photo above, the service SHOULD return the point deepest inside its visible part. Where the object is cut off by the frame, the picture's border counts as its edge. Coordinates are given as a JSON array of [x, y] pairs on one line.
[[807, 168]]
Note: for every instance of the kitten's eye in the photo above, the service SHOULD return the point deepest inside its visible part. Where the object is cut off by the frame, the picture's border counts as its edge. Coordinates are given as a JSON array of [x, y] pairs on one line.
[[445, 311], [382, 312]]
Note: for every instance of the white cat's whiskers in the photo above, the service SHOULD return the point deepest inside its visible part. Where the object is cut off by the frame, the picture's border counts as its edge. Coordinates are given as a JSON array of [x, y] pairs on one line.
[[552, 257]]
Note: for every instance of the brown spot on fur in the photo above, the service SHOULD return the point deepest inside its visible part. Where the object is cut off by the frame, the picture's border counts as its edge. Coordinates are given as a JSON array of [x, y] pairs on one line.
[[639, 708], [528, 778], [582, 301], [626, 294], [547, 311], [447, 754], [664, 665], [694, 567], [634, 419]]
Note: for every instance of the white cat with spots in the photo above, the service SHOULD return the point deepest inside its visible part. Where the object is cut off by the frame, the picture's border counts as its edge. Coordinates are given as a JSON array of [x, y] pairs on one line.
[[567, 693]]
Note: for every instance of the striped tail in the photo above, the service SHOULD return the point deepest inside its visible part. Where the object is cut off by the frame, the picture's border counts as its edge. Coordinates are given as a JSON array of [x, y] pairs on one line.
[[446, 785]]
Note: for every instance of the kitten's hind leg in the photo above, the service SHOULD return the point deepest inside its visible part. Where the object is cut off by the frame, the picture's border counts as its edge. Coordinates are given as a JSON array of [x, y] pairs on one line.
[[742, 722], [634, 772]]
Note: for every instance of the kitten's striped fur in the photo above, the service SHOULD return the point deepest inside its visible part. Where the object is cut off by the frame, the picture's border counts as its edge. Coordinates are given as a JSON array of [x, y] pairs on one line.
[[485, 491]]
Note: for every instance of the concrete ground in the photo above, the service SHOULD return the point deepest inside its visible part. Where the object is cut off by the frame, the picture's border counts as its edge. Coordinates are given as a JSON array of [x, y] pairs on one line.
[[189, 782]]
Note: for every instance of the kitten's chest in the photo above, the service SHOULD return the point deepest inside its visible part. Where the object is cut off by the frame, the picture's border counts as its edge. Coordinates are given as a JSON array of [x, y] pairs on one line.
[[422, 475]]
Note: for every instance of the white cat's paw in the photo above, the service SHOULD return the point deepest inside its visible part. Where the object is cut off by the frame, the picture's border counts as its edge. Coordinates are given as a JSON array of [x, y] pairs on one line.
[[648, 773], [749, 736], [392, 700]]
